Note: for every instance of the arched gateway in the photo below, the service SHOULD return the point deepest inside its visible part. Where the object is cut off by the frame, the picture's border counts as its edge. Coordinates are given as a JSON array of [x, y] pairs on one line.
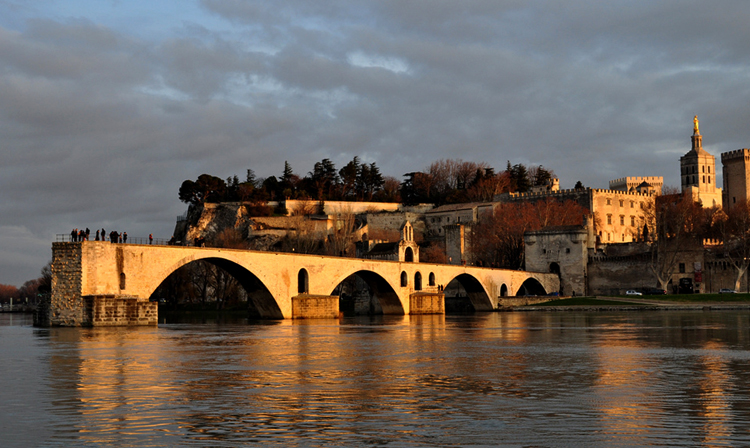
[[88, 286]]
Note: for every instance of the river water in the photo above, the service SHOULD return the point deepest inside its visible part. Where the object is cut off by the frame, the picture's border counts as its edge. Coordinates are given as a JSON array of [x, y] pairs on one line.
[[537, 379]]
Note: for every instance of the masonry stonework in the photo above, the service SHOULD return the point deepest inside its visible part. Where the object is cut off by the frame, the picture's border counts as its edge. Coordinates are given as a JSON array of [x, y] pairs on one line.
[[127, 271]]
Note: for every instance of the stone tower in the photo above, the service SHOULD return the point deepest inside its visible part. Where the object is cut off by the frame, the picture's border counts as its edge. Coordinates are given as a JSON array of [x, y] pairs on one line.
[[736, 174], [698, 172]]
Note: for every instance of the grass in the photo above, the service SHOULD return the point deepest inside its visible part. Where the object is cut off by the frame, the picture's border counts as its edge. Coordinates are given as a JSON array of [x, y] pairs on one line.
[[583, 301], [699, 298]]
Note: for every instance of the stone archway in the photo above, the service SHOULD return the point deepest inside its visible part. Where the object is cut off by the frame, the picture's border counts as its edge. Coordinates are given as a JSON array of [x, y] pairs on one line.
[[365, 292], [531, 287], [261, 303], [464, 293]]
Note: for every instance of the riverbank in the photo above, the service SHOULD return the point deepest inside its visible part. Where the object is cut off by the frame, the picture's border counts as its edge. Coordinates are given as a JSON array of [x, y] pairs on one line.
[[685, 302]]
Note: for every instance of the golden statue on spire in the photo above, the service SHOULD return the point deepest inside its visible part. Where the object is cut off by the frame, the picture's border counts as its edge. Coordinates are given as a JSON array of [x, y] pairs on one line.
[[695, 126]]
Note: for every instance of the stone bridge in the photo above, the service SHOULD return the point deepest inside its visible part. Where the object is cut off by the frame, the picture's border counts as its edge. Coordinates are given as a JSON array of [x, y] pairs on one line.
[[100, 283]]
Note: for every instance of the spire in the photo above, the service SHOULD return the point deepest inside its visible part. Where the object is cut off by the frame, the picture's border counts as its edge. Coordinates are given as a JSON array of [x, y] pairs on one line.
[[696, 131], [696, 138]]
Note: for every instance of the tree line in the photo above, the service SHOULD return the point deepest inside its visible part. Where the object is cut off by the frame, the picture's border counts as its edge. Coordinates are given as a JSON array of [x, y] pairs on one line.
[[445, 181]]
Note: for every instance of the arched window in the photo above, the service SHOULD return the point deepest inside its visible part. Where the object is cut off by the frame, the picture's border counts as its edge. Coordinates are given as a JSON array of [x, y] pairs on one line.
[[408, 255], [303, 282], [417, 281], [404, 279], [431, 279], [503, 291], [122, 280]]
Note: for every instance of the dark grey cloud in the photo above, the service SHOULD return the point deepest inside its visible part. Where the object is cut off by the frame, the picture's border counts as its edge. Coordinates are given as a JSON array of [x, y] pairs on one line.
[[101, 120]]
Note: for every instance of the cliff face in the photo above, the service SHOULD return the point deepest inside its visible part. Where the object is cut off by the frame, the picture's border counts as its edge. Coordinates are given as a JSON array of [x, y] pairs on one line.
[[207, 221]]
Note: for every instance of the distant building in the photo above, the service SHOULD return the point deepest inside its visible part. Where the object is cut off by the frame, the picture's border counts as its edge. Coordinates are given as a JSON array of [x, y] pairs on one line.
[[736, 175], [404, 250], [552, 184], [698, 172], [633, 184]]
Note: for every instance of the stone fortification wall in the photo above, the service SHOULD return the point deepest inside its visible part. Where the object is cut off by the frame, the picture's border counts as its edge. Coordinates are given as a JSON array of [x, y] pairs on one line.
[[337, 207], [721, 274], [390, 222], [615, 275]]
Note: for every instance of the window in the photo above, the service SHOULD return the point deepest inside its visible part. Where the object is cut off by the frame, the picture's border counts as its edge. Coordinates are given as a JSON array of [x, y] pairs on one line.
[[567, 250], [632, 221], [609, 236], [303, 281], [544, 251], [404, 279], [623, 237], [122, 280], [709, 179], [621, 202], [709, 169], [432, 279], [609, 219], [704, 168], [609, 201], [704, 179], [632, 204], [622, 220], [682, 268]]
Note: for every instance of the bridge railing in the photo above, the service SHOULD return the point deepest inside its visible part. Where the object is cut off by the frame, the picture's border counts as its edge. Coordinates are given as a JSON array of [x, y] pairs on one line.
[[67, 238]]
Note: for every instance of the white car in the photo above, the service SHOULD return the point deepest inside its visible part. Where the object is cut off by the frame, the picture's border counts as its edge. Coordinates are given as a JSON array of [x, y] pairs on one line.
[[632, 292]]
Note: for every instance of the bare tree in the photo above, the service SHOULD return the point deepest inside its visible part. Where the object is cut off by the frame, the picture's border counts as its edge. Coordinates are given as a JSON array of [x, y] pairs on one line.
[[680, 224], [735, 232]]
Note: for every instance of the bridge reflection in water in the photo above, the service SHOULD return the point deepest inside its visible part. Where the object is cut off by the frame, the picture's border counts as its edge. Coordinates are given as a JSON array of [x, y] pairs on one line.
[[94, 281], [494, 379]]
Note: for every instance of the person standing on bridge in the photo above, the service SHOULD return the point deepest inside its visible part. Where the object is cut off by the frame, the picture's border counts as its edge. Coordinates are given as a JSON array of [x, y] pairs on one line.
[[150, 238], [124, 237]]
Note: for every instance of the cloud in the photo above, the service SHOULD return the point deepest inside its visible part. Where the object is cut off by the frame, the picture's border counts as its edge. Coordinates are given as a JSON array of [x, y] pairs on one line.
[[105, 111]]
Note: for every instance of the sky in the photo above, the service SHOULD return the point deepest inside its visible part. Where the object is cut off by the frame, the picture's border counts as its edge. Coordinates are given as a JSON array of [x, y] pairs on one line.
[[106, 106]]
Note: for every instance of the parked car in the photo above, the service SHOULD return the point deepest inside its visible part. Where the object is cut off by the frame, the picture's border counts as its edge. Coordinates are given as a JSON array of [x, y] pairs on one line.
[[632, 292], [727, 291], [654, 291]]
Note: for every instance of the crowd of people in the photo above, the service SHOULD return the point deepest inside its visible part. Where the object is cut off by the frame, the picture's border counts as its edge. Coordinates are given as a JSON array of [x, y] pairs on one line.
[[78, 235]]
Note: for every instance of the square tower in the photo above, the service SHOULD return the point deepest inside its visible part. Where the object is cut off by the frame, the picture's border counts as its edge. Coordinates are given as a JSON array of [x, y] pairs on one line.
[[698, 172], [736, 171]]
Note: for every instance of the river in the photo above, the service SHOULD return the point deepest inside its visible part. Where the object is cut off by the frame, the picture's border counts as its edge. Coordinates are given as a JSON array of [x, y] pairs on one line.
[[536, 379]]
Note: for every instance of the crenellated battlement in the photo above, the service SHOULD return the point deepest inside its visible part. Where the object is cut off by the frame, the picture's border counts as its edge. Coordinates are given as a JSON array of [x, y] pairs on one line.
[[734, 155], [567, 192]]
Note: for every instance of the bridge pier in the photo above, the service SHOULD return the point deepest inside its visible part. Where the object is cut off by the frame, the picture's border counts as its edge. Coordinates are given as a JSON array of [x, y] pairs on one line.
[[310, 306]]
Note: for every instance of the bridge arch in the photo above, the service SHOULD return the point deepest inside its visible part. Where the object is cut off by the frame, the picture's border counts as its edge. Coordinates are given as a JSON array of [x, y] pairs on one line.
[[380, 290], [465, 293], [261, 302], [531, 287]]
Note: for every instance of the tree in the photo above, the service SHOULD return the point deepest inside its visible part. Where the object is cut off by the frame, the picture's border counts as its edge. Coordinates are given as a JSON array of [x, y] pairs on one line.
[[735, 232], [579, 186], [324, 179], [349, 175], [497, 239], [680, 224], [519, 178], [539, 176], [206, 188]]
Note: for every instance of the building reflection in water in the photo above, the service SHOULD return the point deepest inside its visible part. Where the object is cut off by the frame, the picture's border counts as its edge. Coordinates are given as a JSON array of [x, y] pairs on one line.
[[627, 379]]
